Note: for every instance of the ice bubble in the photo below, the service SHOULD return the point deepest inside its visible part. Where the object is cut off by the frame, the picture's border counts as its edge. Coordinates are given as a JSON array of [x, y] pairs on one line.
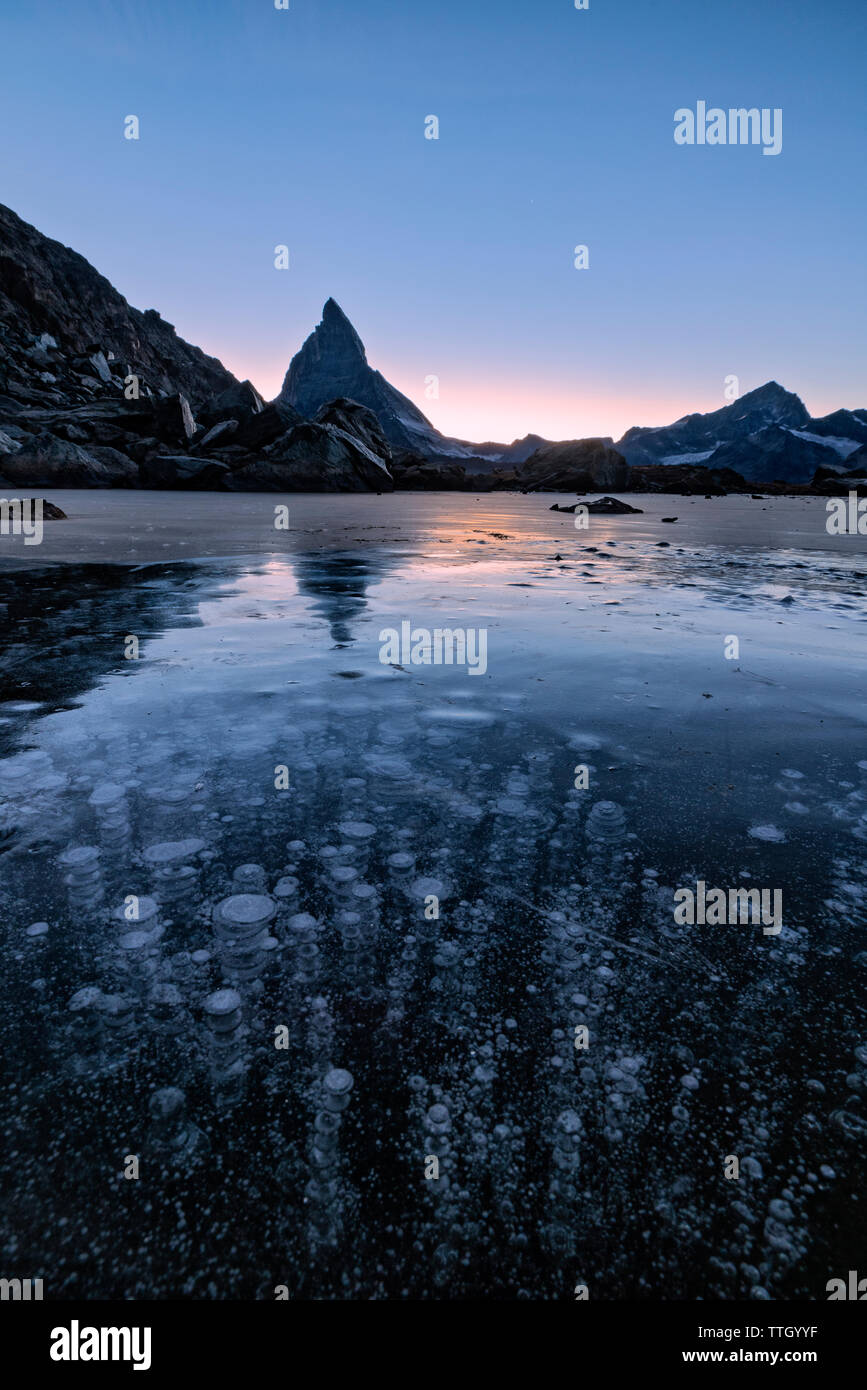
[[357, 830], [286, 887], [585, 741], [169, 851], [222, 1004], [606, 822], [769, 833], [105, 794], [426, 887], [245, 909]]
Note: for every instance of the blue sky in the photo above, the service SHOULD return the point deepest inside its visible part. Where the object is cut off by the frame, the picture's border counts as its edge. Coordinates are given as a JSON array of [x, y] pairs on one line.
[[453, 257]]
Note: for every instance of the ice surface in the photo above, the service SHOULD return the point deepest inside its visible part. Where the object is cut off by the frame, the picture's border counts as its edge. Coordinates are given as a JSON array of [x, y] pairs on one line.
[[432, 908]]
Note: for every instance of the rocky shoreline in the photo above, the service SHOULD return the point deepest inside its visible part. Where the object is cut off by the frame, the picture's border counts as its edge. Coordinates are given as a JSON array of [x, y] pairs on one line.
[[97, 394]]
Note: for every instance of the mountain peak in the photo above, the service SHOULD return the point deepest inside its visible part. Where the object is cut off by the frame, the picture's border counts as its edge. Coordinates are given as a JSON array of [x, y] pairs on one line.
[[332, 310], [332, 363]]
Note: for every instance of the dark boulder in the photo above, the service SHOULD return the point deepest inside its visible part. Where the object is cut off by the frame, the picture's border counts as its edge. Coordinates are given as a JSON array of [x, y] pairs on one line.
[[603, 506], [576, 465], [432, 477], [58, 463], [685, 479], [237, 402], [217, 435], [315, 458], [256, 431], [173, 419], [358, 421]]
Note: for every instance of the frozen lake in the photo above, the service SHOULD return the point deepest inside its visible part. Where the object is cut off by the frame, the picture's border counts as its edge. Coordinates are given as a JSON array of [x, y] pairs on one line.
[[427, 902]]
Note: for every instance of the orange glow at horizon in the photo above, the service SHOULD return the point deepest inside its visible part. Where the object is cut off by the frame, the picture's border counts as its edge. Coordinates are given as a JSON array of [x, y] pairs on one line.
[[501, 409]]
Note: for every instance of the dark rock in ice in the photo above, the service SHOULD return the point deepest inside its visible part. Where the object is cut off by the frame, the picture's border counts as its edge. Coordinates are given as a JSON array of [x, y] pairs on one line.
[[603, 506]]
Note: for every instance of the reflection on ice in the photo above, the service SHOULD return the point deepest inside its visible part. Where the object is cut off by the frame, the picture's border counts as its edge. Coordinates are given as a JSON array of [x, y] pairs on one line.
[[415, 1019]]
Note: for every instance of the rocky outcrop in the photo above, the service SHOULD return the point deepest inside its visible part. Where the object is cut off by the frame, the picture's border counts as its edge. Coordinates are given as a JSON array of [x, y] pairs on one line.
[[67, 335], [686, 479], [359, 422], [313, 457], [47, 461], [237, 402], [577, 465]]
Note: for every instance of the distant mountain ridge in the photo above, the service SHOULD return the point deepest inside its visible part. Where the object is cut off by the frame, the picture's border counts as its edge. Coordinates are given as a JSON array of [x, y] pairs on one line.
[[70, 344], [764, 435]]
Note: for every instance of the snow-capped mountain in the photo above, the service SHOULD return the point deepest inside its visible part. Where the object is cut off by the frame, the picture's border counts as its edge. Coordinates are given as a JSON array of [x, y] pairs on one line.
[[765, 435]]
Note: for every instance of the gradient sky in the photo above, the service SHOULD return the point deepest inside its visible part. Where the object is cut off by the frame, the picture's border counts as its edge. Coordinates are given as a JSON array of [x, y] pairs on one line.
[[454, 257]]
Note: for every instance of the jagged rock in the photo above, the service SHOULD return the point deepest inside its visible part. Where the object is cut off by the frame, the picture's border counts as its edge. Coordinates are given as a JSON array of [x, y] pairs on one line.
[[356, 420], [315, 458], [7, 444], [116, 422], [257, 431], [51, 298], [235, 403], [59, 463], [173, 419], [100, 366], [220, 432], [577, 465]]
